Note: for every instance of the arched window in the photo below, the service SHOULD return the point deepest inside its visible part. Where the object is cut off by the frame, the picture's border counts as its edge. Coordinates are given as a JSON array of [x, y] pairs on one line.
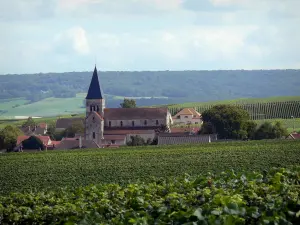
[[97, 108], [91, 108], [109, 123], [94, 135], [156, 122], [121, 123], [145, 122], [133, 123]]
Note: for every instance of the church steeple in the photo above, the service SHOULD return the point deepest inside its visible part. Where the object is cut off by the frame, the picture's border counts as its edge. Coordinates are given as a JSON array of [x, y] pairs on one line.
[[95, 91]]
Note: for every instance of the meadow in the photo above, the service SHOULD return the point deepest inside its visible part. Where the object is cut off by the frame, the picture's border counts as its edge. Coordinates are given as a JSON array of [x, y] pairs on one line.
[[54, 169]]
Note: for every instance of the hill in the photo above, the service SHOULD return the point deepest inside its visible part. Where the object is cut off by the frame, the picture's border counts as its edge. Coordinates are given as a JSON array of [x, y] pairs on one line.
[[149, 87]]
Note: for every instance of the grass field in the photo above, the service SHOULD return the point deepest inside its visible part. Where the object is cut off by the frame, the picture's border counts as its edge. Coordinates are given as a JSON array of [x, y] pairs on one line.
[[53, 169]]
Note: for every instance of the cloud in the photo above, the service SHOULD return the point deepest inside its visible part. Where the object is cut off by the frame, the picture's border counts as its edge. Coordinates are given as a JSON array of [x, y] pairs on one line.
[[73, 39]]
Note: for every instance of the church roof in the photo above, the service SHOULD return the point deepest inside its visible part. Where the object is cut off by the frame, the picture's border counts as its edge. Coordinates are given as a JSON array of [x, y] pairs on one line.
[[135, 113], [95, 91]]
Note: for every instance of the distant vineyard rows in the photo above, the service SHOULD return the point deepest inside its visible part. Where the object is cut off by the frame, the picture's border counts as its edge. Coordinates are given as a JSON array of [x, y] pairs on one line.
[[259, 111]]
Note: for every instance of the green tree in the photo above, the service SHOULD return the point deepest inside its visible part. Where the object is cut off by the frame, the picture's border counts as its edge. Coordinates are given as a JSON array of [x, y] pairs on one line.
[[279, 130], [33, 143], [136, 141], [269, 131], [29, 122], [227, 121], [251, 129], [8, 137], [128, 103]]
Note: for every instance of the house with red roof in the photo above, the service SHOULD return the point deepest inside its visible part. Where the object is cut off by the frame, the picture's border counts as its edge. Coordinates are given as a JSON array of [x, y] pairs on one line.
[[294, 136], [187, 116]]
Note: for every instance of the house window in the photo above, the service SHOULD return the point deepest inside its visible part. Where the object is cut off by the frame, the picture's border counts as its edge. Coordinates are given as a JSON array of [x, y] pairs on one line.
[[157, 122], [186, 117], [94, 135], [121, 123], [145, 122], [109, 123], [178, 117], [196, 122], [133, 123], [113, 141]]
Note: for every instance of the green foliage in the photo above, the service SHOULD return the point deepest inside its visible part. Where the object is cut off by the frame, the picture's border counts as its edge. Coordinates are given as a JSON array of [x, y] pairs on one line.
[[53, 169], [128, 103], [33, 142], [229, 198], [138, 141], [29, 122], [269, 131], [8, 137], [229, 122]]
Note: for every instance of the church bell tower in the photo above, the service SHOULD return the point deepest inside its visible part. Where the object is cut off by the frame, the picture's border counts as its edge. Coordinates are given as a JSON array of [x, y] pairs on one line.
[[95, 104]]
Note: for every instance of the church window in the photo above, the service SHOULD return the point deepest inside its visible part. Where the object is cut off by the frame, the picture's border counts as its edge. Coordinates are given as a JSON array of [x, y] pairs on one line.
[[94, 135], [113, 141], [145, 122], [109, 123], [133, 123], [91, 108], [156, 122], [97, 108], [121, 123]]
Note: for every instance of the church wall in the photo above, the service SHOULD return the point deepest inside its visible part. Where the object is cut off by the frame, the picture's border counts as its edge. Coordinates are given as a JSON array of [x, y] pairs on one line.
[[96, 127]]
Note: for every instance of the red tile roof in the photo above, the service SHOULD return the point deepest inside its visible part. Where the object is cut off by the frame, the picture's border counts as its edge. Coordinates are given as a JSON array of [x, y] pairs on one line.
[[44, 139], [114, 137], [22, 138], [295, 135]]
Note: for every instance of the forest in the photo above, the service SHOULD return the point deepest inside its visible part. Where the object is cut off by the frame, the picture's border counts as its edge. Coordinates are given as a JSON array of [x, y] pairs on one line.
[[174, 86]]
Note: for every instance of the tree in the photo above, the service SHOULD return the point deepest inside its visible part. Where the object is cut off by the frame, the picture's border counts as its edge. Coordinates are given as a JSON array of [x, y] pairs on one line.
[[269, 131], [128, 103], [8, 137], [29, 122], [251, 129], [162, 129], [228, 121], [33, 143], [136, 141]]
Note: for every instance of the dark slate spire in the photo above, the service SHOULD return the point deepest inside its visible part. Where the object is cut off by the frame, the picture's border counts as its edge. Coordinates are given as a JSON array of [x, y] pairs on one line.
[[95, 91]]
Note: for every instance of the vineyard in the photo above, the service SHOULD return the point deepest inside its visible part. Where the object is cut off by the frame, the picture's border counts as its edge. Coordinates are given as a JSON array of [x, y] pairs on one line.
[[257, 111], [54, 169], [270, 197]]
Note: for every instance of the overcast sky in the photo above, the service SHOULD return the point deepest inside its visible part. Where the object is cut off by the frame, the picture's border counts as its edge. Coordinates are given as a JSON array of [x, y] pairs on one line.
[[67, 35]]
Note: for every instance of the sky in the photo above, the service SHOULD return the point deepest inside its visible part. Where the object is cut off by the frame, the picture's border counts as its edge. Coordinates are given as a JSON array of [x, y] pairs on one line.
[[134, 35]]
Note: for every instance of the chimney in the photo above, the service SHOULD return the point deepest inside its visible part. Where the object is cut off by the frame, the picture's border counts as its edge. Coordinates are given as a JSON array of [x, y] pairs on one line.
[[80, 142]]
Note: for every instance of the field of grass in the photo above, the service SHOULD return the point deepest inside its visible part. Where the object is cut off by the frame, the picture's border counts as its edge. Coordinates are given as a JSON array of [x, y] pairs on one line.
[[53, 169]]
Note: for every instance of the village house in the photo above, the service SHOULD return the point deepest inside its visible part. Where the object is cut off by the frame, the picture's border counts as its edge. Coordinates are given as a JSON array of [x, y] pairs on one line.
[[39, 129], [293, 136], [47, 143], [187, 116]]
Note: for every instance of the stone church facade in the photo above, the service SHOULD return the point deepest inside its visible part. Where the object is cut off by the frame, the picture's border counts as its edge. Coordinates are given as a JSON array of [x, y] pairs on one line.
[[116, 125]]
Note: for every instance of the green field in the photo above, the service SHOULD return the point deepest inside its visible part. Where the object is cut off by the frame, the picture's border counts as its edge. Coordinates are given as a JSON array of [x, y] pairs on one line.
[[271, 197], [53, 169]]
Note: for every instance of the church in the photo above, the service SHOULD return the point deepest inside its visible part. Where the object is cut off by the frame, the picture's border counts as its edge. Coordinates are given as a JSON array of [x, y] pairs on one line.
[[114, 126]]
